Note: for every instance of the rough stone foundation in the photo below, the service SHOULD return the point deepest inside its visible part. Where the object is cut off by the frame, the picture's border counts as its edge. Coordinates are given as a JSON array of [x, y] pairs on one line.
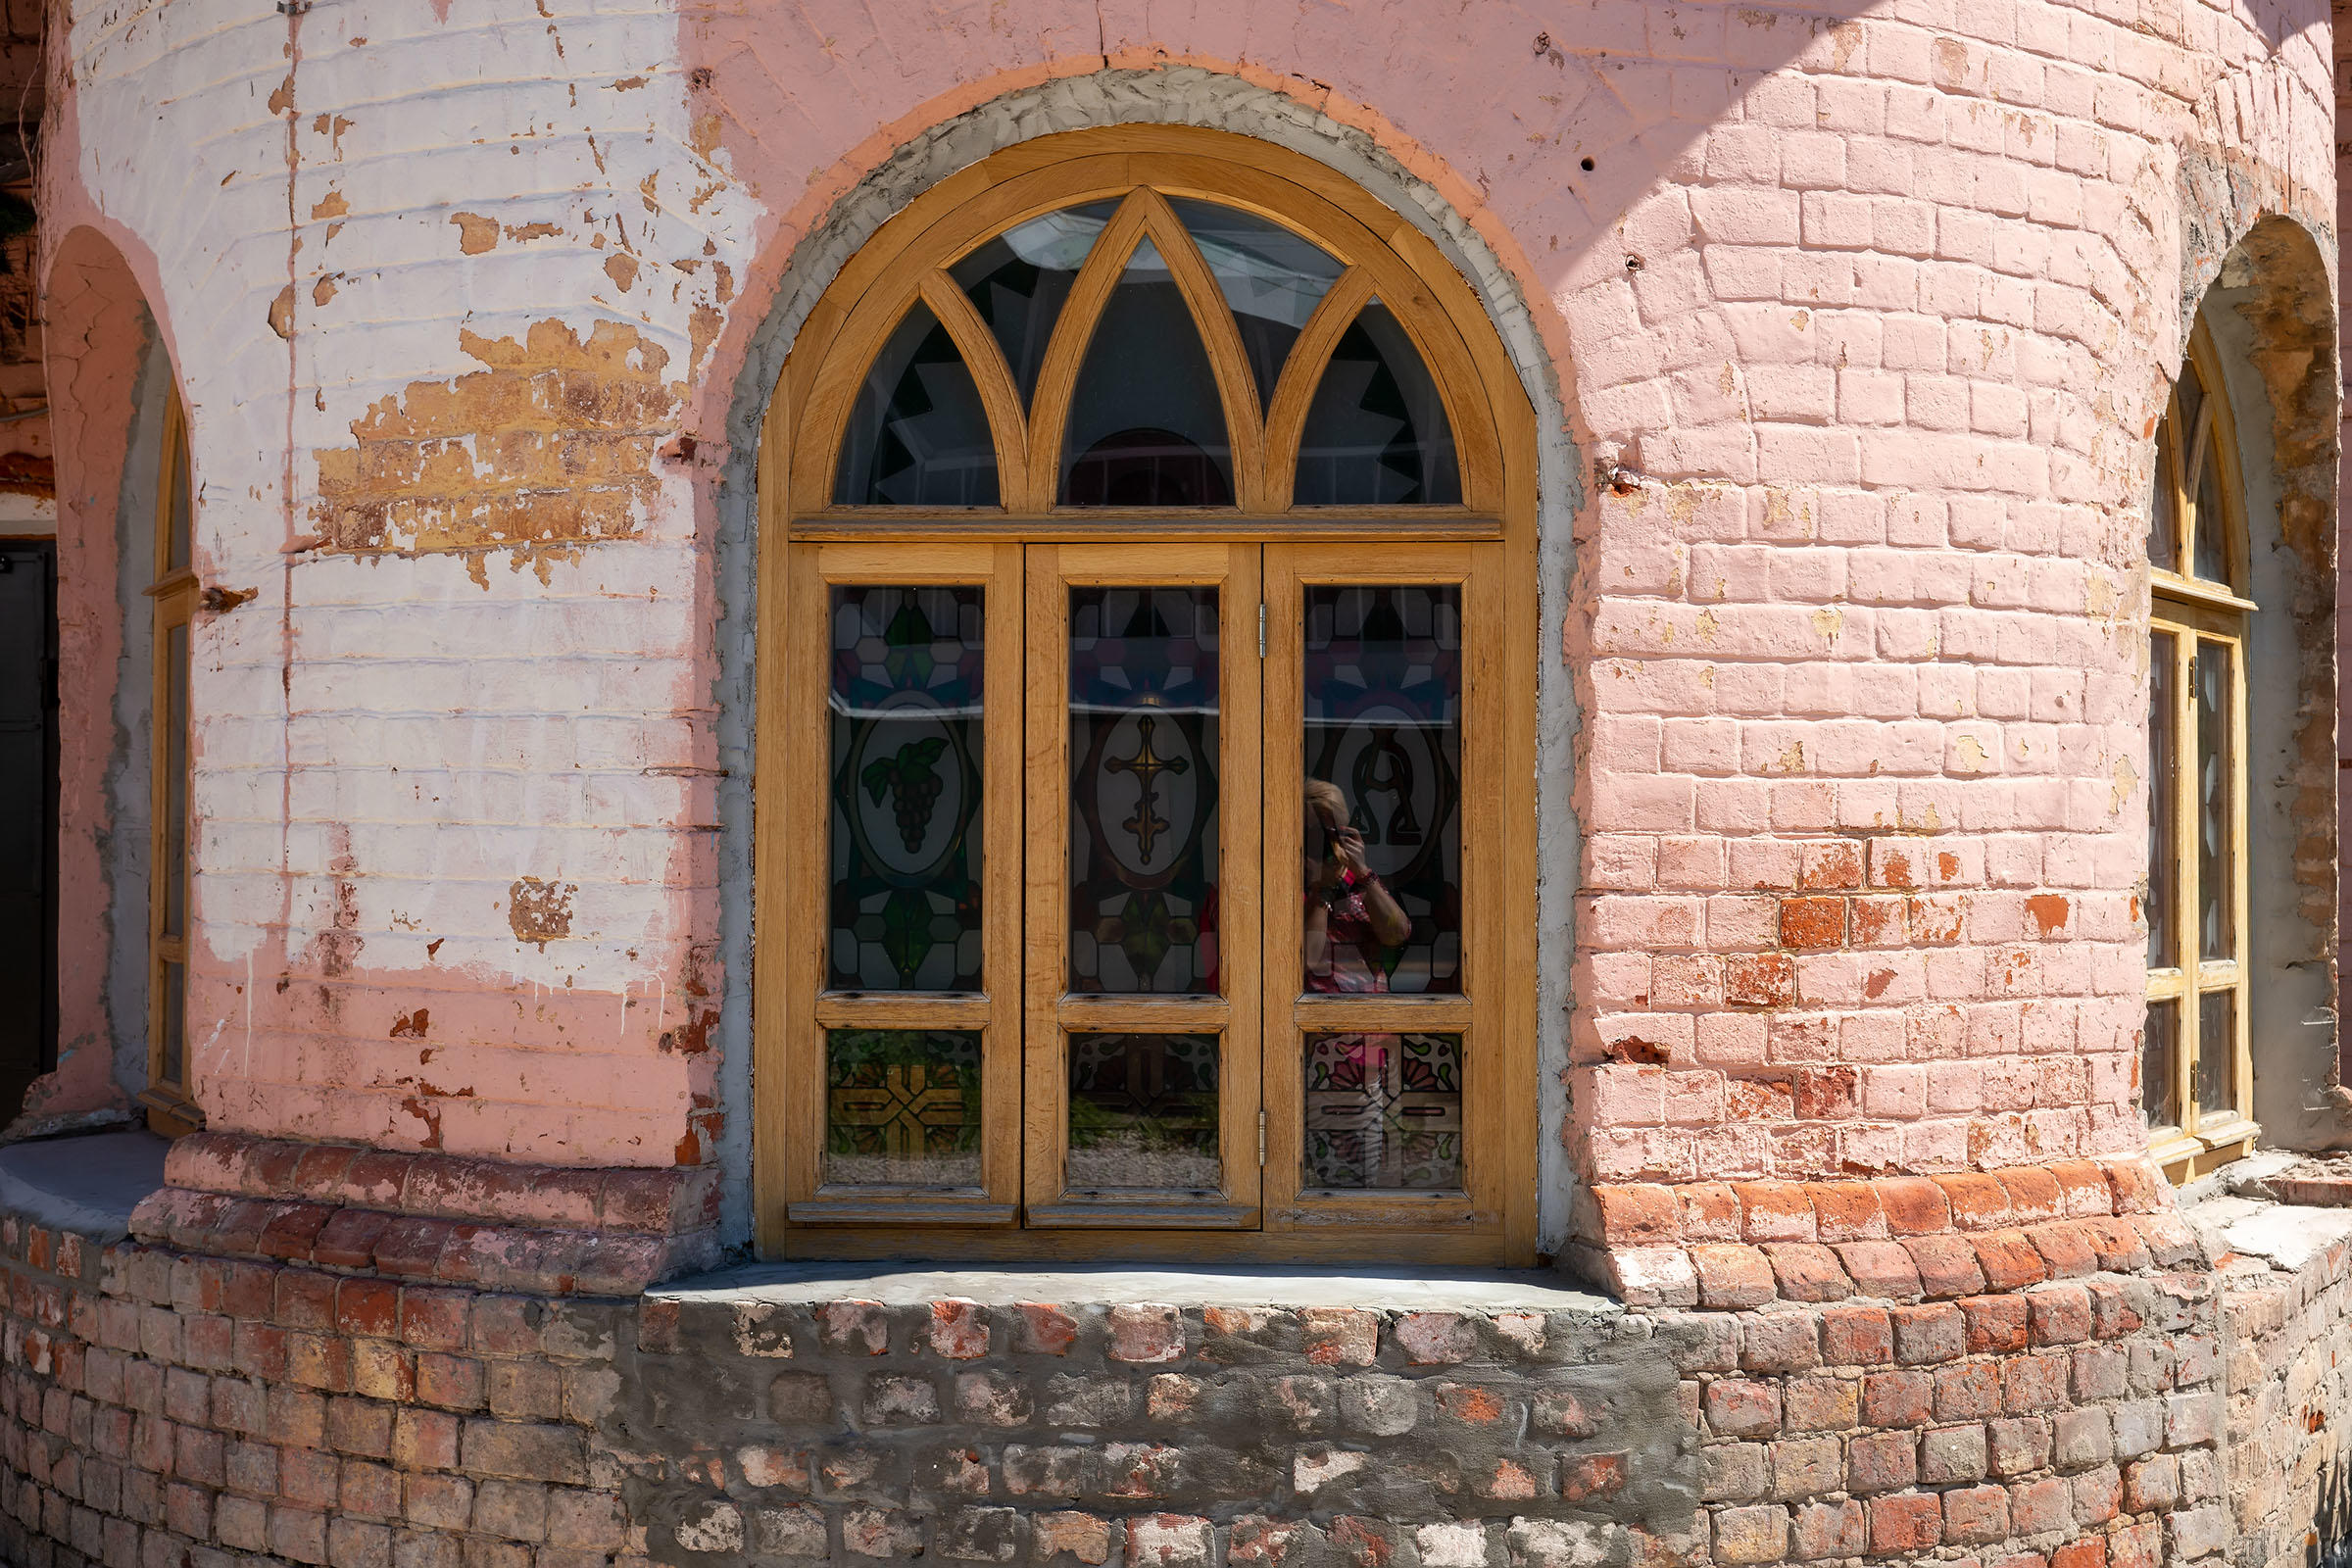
[[2164, 1388]]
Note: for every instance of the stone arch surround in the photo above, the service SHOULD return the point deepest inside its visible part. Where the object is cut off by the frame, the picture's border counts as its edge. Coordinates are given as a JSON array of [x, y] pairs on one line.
[[1182, 96]]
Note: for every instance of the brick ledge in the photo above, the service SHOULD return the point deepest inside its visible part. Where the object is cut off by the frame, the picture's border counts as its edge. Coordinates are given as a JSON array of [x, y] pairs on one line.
[[1734, 1244], [552, 1230]]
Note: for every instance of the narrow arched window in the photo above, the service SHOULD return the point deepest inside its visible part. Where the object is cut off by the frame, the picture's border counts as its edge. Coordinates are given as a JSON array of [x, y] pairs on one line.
[[1145, 782], [171, 596], [2196, 1076]]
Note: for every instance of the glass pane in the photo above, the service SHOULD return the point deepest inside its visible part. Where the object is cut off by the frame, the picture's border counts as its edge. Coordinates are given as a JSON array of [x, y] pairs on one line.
[[1384, 1110], [183, 505], [1143, 1112], [2217, 813], [2163, 539], [1145, 426], [1018, 281], [917, 435], [902, 1106], [2164, 778], [2213, 541], [175, 781], [1376, 432], [2159, 1053], [1272, 278], [906, 744], [1144, 789], [176, 1006], [2191, 390], [1382, 851], [2216, 1053]]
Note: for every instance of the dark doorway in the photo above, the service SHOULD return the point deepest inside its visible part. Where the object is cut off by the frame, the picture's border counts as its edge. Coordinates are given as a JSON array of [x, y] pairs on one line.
[[28, 817]]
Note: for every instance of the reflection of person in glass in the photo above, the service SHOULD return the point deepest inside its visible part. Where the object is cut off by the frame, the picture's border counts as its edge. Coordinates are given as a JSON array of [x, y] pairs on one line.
[[1350, 916]]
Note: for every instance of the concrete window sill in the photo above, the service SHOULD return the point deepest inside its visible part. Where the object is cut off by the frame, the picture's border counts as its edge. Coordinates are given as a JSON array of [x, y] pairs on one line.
[[915, 1284]]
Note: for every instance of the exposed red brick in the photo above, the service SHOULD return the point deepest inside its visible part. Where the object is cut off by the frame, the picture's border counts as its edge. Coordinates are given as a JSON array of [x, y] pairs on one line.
[[1813, 922], [1846, 1211], [1996, 1324], [1637, 1215], [1774, 1211], [1978, 1203], [1909, 1523], [1914, 1206], [2008, 1259], [1711, 1212], [2066, 1248], [2033, 1194], [1882, 1270], [1947, 1265], [2137, 1187], [1730, 1275], [1856, 1335], [1807, 1271], [1759, 979]]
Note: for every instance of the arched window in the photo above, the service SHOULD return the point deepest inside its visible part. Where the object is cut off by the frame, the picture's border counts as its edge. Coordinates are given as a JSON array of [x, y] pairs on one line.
[[1146, 798], [2197, 1073]]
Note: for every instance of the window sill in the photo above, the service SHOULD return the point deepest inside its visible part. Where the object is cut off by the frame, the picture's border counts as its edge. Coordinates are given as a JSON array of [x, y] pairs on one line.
[[914, 1283], [2184, 1158]]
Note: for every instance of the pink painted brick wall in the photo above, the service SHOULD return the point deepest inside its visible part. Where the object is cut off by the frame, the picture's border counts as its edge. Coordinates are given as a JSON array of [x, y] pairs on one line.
[[1874, 309]]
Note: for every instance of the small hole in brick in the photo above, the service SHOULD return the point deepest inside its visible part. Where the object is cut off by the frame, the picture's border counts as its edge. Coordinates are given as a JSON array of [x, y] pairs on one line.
[[1633, 264], [1584, 163]]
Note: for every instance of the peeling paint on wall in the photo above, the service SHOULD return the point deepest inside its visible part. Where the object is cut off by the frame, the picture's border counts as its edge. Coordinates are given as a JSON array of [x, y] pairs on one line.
[[549, 447]]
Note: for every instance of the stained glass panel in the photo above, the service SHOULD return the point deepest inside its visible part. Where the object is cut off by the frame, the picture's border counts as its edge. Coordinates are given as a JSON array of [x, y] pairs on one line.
[[2217, 820], [1272, 280], [1147, 427], [2159, 1057], [1143, 1112], [2164, 774], [918, 433], [1018, 281], [1381, 850], [1384, 1111], [1376, 432], [1142, 872], [906, 748], [2216, 1054], [902, 1106]]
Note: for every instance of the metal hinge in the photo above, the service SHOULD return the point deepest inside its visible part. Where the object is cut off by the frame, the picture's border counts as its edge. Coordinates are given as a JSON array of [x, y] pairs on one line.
[[1261, 1139], [1261, 653]]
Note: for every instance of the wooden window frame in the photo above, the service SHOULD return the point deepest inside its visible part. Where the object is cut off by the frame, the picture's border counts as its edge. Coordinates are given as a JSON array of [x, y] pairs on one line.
[[2198, 613], [1487, 544], [170, 1099]]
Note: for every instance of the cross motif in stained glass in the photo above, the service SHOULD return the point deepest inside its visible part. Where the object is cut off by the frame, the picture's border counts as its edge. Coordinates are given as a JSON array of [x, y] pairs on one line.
[[1384, 1111], [1143, 867]]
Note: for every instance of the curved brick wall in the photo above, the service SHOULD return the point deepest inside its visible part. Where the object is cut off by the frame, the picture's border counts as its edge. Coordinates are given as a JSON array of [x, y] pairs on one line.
[[1852, 339]]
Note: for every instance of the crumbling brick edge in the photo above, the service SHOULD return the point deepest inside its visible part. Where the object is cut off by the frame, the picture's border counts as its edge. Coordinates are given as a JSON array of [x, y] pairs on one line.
[[544, 1229]]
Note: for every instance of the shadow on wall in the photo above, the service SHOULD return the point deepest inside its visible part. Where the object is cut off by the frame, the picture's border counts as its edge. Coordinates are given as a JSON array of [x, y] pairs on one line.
[[2274, 329], [107, 399], [2329, 1543]]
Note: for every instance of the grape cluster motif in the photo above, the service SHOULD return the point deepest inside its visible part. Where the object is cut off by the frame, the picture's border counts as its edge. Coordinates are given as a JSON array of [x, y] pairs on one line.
[[911, 777]]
